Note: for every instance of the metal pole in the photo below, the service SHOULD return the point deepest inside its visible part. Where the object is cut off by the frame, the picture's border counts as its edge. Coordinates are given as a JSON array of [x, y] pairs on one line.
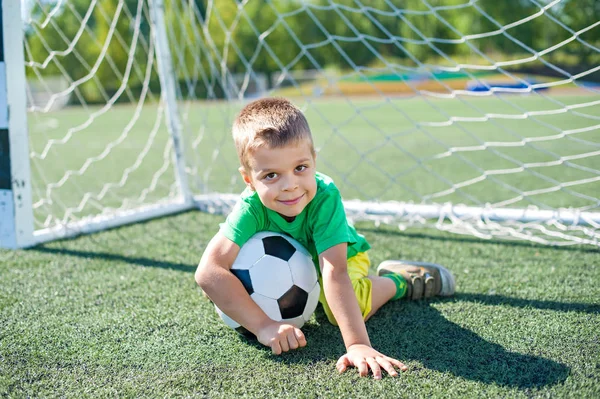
[[16, 213], [168, 92]]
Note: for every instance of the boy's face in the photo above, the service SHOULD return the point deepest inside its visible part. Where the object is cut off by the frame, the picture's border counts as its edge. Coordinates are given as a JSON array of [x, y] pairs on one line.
[[284, 178]]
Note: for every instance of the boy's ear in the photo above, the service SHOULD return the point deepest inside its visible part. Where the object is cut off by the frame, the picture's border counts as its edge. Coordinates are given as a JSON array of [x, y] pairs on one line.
[[246, 177]]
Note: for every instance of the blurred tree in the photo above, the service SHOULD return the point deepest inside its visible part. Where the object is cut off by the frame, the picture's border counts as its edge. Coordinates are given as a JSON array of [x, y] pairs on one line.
[[90, 42], [55, 37], [578, 15], [114, 46]]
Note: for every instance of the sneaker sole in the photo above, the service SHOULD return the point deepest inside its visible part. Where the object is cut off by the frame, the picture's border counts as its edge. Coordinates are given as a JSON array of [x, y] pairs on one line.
[[448, 282]]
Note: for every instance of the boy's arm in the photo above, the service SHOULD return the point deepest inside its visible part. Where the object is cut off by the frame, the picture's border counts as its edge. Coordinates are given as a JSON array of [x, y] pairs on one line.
[[344, 306], [227, 292]]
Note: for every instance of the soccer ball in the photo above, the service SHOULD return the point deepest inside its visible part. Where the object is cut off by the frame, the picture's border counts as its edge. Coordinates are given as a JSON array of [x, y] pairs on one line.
[[279, 275]]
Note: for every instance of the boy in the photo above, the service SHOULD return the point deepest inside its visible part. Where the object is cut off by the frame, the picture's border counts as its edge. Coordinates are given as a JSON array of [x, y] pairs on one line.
[[285, 194]]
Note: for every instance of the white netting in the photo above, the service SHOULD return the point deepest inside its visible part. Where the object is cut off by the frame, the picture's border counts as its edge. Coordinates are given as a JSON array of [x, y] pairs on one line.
[[99, 145], [479, 117]]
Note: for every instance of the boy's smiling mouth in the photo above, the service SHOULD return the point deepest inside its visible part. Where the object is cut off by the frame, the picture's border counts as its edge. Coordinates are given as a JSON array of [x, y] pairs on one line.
[[292, 201]]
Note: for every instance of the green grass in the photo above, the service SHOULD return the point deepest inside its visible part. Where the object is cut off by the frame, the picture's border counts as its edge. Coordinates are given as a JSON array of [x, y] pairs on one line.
[[118, 314]]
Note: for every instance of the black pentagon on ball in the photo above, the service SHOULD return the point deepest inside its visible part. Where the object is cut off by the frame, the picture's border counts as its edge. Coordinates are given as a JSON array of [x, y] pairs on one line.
[[278, 247], [244, 276], [293, 302]]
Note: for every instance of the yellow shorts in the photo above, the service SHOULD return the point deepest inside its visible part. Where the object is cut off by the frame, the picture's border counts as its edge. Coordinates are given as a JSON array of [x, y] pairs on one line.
[[358, 269]]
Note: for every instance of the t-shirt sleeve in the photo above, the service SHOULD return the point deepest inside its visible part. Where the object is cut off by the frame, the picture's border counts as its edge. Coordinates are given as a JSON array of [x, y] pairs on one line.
[[330, 226], [241, 224]]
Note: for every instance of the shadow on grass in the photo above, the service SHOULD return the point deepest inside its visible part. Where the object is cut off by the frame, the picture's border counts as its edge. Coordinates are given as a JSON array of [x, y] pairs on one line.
[[115, 257], [424, 335], [415, 331]]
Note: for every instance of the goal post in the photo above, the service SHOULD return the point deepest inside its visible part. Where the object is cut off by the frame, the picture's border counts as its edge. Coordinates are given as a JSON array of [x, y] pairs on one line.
[[474, 117], [18, 227], [16, 214]]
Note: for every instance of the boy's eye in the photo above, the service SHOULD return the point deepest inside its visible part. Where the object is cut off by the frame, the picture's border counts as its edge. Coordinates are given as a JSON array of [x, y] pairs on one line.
[[301, 168], [270, 176]]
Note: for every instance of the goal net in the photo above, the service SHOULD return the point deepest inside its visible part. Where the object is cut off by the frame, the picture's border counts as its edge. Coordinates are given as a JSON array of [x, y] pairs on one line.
[[478, 117]]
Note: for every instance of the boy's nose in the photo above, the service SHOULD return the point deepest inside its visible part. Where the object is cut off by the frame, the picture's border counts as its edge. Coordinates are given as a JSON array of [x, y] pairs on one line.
[[289, 184]]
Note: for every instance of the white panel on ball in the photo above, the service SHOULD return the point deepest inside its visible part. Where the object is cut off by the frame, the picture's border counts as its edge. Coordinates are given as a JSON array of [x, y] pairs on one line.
[[249, 254], [312, 302], [271, 277], [303, 271], [226, 319], [268, 305]]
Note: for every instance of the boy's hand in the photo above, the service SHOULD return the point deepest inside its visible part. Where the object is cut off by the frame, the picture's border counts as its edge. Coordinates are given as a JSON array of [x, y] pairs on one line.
[[364, 358], [281, 337]]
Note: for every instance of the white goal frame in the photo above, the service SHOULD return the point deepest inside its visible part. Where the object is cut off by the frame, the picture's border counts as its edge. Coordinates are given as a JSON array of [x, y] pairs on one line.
[[16, 215], [16, 205]]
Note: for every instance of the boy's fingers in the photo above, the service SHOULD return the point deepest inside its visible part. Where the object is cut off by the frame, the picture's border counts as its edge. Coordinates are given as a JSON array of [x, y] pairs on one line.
[[300, 337], [342, 364], [293, 340], [387, 366], [275, 347], [363, 368], [398, 364], [375, 368], [283, 342]]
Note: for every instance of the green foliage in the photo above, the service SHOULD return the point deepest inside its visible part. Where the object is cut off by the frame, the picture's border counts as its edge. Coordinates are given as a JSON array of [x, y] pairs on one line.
[[210, 40], [578, 14]]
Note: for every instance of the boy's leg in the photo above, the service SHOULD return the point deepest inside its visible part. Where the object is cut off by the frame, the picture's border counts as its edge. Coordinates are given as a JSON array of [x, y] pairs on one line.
[[382, 291], [358, 270], [372, 292], [395, 280]]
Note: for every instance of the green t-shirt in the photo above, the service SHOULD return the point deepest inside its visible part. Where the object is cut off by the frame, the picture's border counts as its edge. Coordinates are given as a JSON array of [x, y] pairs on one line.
[[320, 226]]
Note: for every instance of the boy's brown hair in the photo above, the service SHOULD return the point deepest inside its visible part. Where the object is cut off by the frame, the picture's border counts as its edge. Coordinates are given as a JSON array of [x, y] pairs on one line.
[[272, 122]]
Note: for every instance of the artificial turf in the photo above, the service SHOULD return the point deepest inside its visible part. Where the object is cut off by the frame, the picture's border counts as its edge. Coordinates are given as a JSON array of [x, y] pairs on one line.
[[118, 314]]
